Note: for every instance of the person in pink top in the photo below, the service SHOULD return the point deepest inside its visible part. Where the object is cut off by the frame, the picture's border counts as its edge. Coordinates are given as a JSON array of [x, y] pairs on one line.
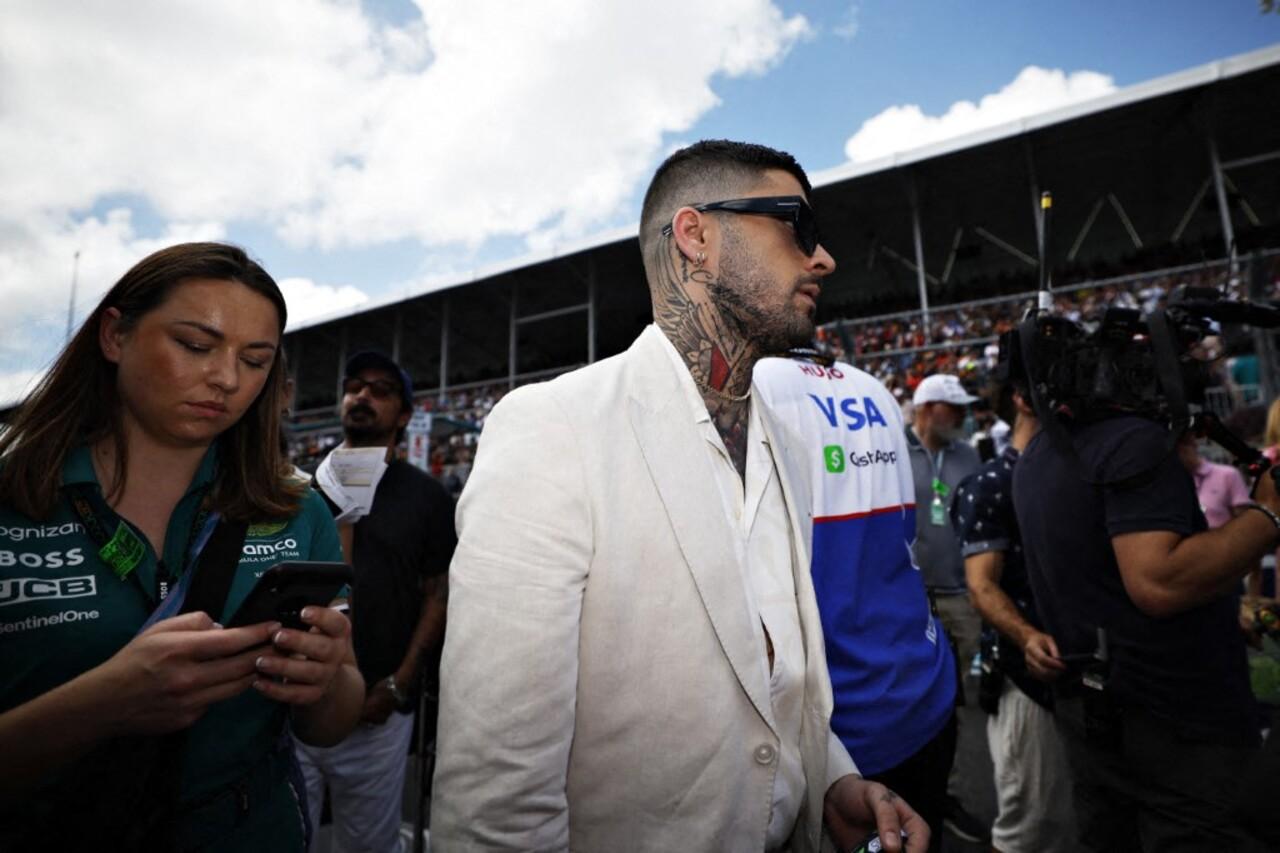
[[1222, 492], [1221, 488]]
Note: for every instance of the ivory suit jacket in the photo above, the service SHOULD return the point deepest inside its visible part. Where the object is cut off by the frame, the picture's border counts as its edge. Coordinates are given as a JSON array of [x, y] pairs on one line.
[[603, 686]]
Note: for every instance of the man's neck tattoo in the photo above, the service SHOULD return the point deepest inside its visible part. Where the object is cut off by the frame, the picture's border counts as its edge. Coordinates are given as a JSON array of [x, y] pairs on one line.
[[719, 357]]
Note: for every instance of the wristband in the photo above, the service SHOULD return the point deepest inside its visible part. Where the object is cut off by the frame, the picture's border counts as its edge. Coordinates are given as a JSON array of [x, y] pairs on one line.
[[402, 698], [1275, 519]]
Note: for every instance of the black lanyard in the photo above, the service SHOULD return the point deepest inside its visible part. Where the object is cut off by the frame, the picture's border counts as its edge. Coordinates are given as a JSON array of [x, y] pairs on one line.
[[124, 549]]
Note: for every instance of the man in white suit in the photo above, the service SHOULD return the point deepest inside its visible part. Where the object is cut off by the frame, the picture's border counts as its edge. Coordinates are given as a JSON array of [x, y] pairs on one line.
[[634, 659]]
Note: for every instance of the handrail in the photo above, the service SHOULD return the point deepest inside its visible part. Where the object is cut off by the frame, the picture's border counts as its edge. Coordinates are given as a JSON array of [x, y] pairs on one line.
[[967, 342]]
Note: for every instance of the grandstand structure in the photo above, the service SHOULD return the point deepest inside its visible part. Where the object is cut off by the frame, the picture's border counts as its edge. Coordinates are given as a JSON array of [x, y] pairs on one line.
[[1177, 172]]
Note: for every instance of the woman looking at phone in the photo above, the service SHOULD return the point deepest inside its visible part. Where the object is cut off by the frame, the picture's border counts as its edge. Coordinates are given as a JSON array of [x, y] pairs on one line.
[[154, 435]]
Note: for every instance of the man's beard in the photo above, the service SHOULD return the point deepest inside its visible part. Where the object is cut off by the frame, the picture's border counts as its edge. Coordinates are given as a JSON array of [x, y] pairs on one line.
[[364, 433], [946, 435], [740, 293]]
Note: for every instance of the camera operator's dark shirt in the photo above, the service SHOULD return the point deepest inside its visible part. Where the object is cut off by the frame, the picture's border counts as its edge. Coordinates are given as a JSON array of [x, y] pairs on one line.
[[983, 516], [1189, 669]]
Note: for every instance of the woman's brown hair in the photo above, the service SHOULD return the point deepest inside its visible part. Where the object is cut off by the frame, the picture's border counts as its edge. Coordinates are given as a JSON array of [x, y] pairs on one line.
[[77, 402]]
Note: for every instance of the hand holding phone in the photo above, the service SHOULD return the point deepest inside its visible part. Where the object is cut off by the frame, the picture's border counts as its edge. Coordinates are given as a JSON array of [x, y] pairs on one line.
[[306, 653], [300, 665], [286, 588]]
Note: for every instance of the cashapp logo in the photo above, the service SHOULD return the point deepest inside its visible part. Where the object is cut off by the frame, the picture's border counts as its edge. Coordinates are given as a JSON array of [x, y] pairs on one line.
[[834, 456]]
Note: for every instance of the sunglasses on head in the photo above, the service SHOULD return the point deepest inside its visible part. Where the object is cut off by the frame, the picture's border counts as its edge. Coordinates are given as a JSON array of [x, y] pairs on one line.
[[790, 208], [379, 388]]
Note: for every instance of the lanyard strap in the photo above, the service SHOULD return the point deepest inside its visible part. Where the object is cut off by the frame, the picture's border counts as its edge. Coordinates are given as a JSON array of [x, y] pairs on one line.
[[939, 488], [215, 556], [124, 549]]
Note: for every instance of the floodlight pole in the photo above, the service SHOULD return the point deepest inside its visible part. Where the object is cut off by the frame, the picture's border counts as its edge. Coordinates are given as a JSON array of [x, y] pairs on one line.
[[1044, 300], [71, 307], [1036, 199]]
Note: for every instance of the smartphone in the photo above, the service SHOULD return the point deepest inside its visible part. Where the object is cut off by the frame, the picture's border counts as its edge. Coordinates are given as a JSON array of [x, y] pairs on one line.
[[286, 588]]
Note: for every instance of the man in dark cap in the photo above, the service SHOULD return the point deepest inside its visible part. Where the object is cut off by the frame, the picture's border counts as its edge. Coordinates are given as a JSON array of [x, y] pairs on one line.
[[397, 530]]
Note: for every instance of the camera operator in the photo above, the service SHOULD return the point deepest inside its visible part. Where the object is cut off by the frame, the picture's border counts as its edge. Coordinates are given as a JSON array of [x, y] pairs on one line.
[[1033, 785], [1158, 717]]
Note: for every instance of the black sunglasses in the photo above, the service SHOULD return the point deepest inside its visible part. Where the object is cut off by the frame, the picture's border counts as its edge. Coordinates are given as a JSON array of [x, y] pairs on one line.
[[379, 388], [790, 208]]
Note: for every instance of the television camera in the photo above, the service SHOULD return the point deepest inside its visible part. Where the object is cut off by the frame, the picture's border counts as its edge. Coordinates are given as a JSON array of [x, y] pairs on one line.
[[1129, 363]]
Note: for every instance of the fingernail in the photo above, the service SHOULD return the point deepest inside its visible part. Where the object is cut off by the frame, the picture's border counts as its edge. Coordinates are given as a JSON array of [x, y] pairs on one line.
[[308, 612], [257, 664], [260, 685], [217, 624], [278, 635], [275, 626]]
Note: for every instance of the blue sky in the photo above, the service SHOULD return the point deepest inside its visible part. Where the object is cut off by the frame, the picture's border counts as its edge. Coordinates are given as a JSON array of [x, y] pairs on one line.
[[367, 149]]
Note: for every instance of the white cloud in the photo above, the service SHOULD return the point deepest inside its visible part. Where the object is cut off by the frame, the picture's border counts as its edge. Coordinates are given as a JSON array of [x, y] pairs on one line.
[[480, 119], [1034, 90], [535, 117], [16, 384], [306, 299]]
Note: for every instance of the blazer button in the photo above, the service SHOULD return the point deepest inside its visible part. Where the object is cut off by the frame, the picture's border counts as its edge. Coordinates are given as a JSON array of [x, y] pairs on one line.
[[764, 754]]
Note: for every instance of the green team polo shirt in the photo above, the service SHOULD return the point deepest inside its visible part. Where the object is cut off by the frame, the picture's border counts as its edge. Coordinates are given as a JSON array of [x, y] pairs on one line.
[[63, 611]]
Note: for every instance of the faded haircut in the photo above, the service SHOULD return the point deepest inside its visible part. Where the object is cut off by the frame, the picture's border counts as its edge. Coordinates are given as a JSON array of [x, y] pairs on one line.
[[710, 170]]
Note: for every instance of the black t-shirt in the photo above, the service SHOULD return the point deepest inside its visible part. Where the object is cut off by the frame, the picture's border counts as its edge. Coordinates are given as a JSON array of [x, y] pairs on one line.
[[983, 517], [1189, 669], [407, 536]]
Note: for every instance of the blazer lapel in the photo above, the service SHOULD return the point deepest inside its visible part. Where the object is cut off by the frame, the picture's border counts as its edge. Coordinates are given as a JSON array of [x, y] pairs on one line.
[[682, 473], [797, 490], [794, 473]]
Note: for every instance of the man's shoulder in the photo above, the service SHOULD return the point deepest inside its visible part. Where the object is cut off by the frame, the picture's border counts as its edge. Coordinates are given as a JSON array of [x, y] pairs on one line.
[[989, 483], [1111, 451], [1226, 472], [403, 476], [313, 511], [778, 372], [915, 448], [1121, 448], [583, 388]]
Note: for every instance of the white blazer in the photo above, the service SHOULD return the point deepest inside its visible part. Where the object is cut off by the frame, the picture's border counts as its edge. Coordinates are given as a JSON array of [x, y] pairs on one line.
[[601, 685]]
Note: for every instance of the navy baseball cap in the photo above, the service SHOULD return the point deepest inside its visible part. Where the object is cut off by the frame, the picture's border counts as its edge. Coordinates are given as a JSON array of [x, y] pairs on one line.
[[374, 360]]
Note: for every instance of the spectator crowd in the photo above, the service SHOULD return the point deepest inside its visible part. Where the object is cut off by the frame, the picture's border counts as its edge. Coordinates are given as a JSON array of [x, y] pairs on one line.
[[901, 349]]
